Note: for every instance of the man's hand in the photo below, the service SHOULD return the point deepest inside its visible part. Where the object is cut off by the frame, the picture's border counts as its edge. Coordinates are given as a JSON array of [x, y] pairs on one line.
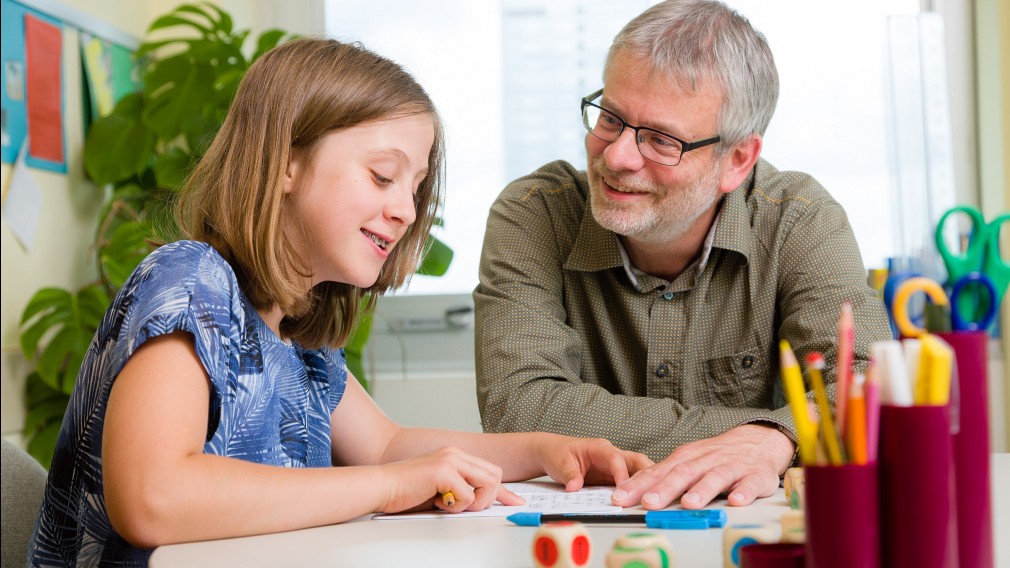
[[745, 462]]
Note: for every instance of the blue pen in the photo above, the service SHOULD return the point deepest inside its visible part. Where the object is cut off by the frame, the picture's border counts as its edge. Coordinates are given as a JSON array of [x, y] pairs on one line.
[[701, 519]]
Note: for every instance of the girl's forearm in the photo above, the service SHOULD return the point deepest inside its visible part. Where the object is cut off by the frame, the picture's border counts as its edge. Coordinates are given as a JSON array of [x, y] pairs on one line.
[[518, 454], [210, 497]]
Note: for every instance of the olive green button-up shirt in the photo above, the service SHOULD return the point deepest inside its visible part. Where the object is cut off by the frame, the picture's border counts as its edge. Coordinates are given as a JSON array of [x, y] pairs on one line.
[[568, 341]]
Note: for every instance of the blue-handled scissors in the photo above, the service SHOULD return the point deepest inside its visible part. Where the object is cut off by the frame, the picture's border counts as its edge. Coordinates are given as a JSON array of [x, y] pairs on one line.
[[982, 255], [985, 317]]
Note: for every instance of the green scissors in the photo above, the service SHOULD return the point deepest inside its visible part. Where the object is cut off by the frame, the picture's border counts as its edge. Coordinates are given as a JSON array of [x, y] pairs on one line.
[[981, 255]]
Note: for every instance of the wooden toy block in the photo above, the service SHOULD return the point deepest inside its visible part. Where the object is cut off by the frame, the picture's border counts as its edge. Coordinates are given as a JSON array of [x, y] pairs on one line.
[[562, 544], [640, 550], [736, 537]]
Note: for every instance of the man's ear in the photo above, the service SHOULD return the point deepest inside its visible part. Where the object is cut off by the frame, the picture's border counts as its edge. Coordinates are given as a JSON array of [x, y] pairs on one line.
[[739, 162]]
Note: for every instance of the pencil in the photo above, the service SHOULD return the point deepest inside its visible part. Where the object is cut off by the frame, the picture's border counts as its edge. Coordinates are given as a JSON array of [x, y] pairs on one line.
[[815, 363], [449, 499], [843, 367], [855, 432], [871, 392], [792, 380]]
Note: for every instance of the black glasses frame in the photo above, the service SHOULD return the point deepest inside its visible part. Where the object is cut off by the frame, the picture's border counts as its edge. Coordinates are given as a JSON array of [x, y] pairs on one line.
[[685, 146]]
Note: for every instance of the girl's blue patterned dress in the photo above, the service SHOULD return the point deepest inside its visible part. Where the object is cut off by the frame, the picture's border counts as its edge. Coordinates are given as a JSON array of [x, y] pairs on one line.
[[270, 401]]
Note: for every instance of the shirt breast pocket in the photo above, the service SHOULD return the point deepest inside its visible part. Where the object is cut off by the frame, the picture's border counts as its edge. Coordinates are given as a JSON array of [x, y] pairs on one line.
[[739, 380]]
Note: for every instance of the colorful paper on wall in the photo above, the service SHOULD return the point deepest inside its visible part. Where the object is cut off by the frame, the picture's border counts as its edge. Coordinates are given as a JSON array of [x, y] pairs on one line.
[[110, 73], [43, 62], [32, 96]]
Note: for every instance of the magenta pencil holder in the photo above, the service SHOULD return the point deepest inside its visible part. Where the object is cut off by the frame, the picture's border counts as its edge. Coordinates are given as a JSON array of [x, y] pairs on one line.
[[917, 487], [841, 504], [971, 450]]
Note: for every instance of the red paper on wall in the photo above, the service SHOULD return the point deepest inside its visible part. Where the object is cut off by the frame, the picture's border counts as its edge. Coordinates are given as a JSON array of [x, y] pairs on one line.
[[43, 55]]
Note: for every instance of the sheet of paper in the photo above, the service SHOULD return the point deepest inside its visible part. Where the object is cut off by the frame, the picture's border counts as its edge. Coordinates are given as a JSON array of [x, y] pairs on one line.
[[540, 496], [23, 203]]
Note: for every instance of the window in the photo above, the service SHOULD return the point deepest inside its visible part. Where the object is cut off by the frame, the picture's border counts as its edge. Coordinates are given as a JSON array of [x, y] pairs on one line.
[[500, 71]]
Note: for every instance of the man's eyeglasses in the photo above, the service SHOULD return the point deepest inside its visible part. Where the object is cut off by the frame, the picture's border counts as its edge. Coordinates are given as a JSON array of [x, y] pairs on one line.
[[654, 145]]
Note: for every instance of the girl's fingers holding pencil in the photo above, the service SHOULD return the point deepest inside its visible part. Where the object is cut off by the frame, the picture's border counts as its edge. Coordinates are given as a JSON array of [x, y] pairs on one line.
[[507, 497], [428, 479]]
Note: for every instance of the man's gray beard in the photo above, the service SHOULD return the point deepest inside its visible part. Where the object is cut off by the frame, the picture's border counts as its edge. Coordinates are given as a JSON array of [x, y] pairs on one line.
[[667, 221]]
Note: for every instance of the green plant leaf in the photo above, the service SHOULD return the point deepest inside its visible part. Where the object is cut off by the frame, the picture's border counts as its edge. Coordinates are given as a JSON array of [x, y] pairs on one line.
[[173, 19], [355, 348], [223, 23], [267, 41], [168, 108], [47, 308], [436, 259], [168, 72], [172, 167], [42, 445], [42, 404], [92, 301], [127, 246], [61, 350], [118, 145], [68, 321], [44, 410]]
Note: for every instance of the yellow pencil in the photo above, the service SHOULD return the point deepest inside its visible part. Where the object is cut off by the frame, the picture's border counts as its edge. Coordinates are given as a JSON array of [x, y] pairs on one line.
[[815, 363], [935, 364], [449, 499], [792, 380]]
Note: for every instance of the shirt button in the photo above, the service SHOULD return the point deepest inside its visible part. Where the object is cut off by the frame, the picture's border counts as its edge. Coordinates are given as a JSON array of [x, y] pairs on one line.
[[668, 295], [747, 361], [663, 370]]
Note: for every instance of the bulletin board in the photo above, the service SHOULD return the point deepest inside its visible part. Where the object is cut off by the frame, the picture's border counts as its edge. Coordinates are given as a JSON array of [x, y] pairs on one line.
[[34, 92]]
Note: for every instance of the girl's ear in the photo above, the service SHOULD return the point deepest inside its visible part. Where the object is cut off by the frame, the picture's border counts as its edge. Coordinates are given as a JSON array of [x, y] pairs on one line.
[[291, 172]]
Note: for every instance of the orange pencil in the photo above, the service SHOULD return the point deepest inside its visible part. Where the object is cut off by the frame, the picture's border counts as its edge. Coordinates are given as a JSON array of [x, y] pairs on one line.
[[843, 365], [855, 432]]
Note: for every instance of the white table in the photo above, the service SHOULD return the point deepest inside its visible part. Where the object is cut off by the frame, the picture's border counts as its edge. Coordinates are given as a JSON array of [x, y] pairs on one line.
[[488, 542]]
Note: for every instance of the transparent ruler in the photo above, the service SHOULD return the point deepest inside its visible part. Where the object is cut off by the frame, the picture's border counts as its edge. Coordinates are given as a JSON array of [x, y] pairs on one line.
[[922, 153]]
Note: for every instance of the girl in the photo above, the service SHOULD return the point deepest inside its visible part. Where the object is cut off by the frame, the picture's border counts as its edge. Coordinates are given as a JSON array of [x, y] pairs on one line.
[[218, 362]]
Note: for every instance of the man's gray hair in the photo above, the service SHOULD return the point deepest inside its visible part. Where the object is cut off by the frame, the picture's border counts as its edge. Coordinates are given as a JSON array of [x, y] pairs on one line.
[[694, 41]]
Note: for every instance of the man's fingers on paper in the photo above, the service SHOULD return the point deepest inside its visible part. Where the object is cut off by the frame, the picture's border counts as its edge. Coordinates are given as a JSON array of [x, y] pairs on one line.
[[708, 487], [644, 483], [746, 491]]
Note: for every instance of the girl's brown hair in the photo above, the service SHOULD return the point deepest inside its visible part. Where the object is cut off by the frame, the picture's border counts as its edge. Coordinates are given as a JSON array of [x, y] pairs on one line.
[[289, 99]]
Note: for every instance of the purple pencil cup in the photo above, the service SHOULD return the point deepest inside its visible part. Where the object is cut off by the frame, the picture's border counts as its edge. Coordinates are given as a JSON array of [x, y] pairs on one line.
[[917, 487], [971, 450], [842, 512]]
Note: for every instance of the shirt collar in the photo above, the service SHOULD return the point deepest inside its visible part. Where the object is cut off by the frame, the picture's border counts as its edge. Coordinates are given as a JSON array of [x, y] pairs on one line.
[[734, 231]]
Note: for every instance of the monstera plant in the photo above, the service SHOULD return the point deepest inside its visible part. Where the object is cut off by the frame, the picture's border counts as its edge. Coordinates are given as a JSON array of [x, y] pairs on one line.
[[144, 150]]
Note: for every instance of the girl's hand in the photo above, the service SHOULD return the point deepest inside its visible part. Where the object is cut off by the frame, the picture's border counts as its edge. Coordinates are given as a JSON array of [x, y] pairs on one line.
[[419, 483], [576, 462]]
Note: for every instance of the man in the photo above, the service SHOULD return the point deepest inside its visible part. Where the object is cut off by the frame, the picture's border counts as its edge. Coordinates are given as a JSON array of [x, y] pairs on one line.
[[643, 300]]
